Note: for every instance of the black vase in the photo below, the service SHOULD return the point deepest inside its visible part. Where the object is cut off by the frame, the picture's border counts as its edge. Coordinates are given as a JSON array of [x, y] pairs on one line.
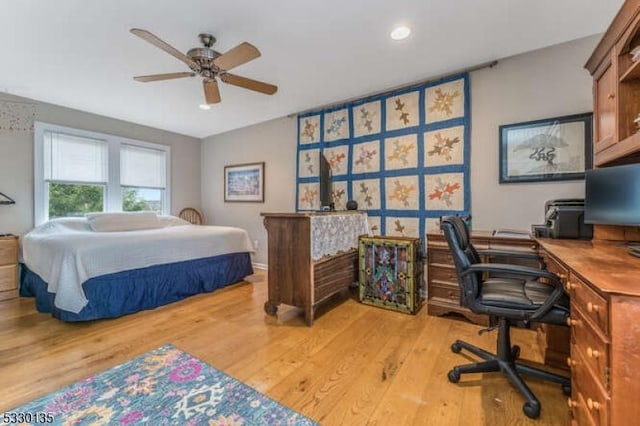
[[352, 205]]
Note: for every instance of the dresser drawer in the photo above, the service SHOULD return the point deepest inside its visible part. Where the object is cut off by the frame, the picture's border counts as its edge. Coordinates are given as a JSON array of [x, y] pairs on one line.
[[591, 345], [444, 291], [8, 251], [8, 277], [441, 257], [528, 247], [480, 243], [330, 277], [592, 305], [580, 415], [594, 402], [436, 241], [443, 275], [554, 267]]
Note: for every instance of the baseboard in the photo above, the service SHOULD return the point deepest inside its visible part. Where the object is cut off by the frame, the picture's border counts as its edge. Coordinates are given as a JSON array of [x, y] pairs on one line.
[[257, 265]]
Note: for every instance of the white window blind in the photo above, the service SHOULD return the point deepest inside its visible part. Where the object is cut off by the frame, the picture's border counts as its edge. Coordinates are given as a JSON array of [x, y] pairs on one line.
[[143, 167], [74, 159]]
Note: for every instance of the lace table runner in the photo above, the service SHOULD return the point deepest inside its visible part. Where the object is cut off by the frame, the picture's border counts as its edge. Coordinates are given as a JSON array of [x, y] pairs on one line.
[[335, 233]]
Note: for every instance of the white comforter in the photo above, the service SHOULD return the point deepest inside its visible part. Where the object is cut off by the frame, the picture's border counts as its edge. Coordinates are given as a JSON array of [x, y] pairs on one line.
[[66, 252]]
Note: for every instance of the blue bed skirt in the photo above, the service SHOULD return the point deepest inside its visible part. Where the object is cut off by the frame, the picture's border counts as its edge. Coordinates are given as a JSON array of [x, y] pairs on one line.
[[122, 293]]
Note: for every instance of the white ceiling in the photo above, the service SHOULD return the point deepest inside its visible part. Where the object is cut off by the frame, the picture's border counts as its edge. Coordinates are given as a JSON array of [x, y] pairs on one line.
[[80, 54]]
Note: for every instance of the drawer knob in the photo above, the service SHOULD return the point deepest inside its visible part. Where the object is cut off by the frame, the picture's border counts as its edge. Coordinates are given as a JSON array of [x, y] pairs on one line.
[[572, 403], [572, 322], [571, 362], [592, 353], [592, 308], [593, 405], [562, 275], [611, 95], [569, 286]]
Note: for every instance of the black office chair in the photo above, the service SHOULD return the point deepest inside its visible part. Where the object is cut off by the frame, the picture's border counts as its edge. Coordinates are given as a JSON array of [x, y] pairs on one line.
[[509, 294]]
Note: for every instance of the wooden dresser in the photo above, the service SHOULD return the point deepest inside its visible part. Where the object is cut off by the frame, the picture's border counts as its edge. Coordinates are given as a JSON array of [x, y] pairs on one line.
[[603, 281], [294, 277], [8, 267]]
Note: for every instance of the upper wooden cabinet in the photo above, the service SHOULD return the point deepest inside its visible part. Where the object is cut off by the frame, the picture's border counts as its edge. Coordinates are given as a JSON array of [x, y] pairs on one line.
[[616, 90]]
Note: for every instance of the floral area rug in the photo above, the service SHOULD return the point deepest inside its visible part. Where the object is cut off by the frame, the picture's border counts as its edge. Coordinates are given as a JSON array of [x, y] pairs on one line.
[[163, 387]]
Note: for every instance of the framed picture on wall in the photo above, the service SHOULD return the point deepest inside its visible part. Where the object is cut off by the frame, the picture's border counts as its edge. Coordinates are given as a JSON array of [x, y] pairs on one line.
[[556, 148], [244, 183]]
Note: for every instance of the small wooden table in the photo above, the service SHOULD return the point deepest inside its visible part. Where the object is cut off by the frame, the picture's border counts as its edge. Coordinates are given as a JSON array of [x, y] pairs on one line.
[[8, 267]]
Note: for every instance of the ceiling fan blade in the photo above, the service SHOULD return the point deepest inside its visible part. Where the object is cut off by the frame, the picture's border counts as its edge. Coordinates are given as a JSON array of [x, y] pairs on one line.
[[211, 92], [242, 53], [158, 77], [147, 36], [247, 83]]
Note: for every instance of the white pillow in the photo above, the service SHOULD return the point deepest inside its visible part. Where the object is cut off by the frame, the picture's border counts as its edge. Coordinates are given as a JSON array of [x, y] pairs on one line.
[[167, 221], [127, 221]]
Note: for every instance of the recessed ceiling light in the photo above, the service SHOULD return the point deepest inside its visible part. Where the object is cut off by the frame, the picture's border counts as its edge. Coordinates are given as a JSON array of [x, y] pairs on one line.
[[205, 107], [400, 33]]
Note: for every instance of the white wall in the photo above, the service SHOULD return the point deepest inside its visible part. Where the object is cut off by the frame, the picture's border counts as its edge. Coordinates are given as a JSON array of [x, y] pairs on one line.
[[540, 84], [273, 142], [16, 160], [545, 83]]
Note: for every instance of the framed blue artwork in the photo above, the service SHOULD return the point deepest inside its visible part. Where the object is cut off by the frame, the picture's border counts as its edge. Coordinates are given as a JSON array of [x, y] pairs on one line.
[[244, 182]]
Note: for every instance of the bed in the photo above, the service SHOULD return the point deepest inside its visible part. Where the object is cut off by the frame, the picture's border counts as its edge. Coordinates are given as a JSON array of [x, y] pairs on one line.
[[78, 271]]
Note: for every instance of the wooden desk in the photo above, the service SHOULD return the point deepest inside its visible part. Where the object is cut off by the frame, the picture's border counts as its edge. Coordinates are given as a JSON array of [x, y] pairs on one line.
[[603, 281]]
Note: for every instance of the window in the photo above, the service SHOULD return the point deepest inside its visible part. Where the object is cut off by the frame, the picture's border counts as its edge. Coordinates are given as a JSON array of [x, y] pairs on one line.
[[143, 177], [77, 172]]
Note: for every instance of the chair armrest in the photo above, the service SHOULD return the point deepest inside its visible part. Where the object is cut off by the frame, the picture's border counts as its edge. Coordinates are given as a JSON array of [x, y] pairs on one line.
[[525, 271]]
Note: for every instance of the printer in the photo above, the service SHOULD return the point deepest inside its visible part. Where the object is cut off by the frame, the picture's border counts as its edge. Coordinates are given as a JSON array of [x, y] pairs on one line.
[[564, 218]]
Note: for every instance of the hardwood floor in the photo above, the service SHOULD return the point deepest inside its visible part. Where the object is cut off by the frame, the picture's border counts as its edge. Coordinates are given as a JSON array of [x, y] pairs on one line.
[[358, 364]]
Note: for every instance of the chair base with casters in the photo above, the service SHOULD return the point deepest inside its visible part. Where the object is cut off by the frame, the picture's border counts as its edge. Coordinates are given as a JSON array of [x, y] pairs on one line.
[[506, 361]]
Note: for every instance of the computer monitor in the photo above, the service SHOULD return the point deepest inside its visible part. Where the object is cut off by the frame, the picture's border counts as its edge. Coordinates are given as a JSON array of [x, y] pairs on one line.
[[613, 196]]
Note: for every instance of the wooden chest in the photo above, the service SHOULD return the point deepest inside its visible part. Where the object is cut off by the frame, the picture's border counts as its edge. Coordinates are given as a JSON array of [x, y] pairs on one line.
[[390, 272]]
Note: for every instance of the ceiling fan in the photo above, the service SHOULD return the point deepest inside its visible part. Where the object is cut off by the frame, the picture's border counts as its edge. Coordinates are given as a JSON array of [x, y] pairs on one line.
[[209, 64]]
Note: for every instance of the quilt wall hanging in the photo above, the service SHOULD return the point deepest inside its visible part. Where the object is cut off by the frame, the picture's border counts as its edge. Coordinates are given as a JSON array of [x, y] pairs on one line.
[[402, 156]]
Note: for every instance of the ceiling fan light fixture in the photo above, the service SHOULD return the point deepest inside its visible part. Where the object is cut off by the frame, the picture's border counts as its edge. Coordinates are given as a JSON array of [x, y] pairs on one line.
[[208, 64], [400, 32]]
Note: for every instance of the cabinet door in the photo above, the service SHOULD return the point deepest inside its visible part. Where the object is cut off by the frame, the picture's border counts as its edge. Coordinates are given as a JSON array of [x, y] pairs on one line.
[[605, 84]]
